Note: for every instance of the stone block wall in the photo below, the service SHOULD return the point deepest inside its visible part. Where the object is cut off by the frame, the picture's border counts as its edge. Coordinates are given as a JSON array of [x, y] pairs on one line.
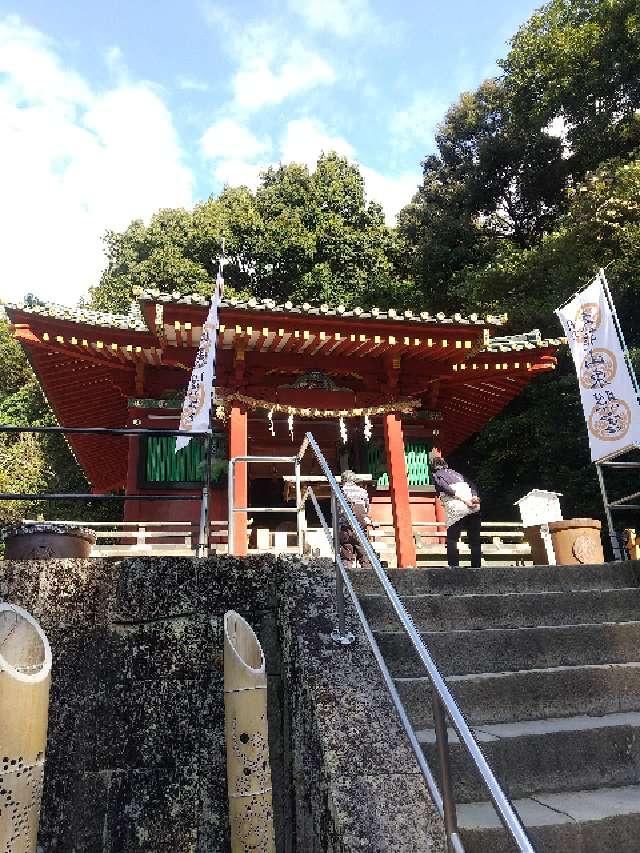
[[136, 755]]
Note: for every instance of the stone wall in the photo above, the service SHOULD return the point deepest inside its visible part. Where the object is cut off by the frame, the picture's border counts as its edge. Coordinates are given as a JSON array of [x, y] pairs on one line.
[[136, 757], [355, 781]]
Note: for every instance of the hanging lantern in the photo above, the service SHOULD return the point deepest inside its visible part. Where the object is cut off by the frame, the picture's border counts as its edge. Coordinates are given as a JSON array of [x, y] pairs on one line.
[[290, 425], [270, 419], [368, 428], [343, 430]]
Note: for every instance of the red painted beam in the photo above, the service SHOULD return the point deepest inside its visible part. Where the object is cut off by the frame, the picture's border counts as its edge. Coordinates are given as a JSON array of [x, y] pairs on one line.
[[399, 488]]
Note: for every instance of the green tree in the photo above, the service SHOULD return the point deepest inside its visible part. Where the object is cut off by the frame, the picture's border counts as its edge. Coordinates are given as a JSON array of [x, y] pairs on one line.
[[600, 228], [33, 463], [303, 235], [578, 61], [491, 181]]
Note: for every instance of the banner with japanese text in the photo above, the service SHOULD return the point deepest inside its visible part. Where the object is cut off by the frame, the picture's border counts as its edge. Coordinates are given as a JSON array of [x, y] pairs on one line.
[[197, 402], [607, 387]]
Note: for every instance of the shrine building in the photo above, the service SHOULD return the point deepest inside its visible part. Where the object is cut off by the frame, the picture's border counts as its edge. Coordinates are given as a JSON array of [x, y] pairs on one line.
[[376, 388]]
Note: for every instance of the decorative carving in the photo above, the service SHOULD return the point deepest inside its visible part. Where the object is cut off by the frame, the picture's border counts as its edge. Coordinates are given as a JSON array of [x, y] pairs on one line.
[[585, 550], [316, 380]]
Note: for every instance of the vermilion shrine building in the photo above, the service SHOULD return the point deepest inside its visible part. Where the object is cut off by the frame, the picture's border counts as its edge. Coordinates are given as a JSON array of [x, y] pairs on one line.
[[420, 379]]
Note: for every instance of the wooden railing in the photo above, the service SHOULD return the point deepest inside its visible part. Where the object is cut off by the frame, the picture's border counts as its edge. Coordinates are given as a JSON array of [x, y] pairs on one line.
[[159, 538], [502, 541], [503, 544]]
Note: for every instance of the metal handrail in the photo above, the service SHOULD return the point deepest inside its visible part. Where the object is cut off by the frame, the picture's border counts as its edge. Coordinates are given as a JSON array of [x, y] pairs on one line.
[[443, 702]]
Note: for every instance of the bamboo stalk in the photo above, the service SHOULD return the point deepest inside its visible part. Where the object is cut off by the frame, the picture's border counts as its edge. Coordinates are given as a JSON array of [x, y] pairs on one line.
[[25, 674], [247, 739]]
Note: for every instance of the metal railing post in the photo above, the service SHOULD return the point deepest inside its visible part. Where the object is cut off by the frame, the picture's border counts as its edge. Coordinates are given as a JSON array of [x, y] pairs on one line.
[[340, 635], [299, 506], [203, 538], [446, 782], [230, 505]]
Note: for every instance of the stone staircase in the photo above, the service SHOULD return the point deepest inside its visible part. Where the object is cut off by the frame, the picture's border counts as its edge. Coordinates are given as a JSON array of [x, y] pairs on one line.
[[545, 665]]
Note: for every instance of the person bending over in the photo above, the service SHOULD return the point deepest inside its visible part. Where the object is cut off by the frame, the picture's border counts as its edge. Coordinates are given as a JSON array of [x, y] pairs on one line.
[[358, 500], [461, 506]]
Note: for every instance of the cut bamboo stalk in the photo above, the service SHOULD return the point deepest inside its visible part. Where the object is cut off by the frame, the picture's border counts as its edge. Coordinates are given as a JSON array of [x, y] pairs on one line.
[[25, 675], [247, 739]]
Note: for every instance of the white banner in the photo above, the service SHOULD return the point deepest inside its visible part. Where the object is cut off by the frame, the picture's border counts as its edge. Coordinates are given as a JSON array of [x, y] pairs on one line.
[[197, 401], [607, 388]]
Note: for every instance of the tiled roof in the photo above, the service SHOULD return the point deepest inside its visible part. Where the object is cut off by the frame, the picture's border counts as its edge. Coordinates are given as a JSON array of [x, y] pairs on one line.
[[526, 341], [320, 310], [134, 320], [103, 319]]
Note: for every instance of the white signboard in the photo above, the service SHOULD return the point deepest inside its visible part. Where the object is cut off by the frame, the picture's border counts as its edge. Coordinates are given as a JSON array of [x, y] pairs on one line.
[[607, 389], [197, 401]]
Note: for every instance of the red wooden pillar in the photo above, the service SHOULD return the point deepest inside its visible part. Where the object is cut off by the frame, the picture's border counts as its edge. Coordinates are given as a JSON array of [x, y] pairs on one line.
[[132, 508], [238, 447], [399, 487]]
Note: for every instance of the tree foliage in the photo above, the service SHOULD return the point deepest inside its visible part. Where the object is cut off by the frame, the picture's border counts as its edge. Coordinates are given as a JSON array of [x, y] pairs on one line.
[[31, 463], [579, 61], [302, 236]]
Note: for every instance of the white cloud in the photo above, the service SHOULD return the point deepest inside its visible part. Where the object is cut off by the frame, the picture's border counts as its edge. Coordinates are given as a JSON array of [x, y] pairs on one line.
[[256, 84], [559, 127], [305, 139], [227, 138], [341, 17], [237, 154], [270, 64], [239, 173], [393, 193], [416, 124], [238, 157], [74, 163]]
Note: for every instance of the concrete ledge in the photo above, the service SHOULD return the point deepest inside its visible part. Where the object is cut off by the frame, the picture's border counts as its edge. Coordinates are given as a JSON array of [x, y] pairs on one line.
[[502, 579], [432, 612], [136, 753], [507, 649], [592, 820], [505, 697]]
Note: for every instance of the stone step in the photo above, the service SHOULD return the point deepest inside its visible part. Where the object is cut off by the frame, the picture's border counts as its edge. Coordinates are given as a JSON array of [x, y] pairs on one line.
[[554, 755], [604, 820], [507, 697], [513, 649], [502, 579], [507, 610]]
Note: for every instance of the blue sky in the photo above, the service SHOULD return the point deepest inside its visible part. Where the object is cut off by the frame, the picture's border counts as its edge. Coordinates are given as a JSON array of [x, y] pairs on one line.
[[109, 111]]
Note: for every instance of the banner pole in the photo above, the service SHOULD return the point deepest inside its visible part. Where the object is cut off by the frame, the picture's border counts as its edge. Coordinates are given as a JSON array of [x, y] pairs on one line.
[[204, 507], [625, 349], [206, 489], [613, 536]]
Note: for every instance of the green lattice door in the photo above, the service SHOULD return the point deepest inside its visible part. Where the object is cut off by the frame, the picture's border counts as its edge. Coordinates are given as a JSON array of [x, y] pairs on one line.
[[416, 456], [163, 465]]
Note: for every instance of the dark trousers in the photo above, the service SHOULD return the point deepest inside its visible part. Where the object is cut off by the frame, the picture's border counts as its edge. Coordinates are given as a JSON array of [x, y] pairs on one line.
[[470, 523], [350, 548]]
